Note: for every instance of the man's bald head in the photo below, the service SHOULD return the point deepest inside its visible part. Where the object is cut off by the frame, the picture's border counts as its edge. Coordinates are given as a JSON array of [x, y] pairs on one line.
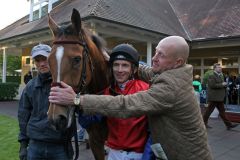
[[171, 52], [179, 46]]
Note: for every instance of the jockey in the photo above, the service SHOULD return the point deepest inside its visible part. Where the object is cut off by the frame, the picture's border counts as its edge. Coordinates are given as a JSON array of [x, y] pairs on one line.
[[126, 137]]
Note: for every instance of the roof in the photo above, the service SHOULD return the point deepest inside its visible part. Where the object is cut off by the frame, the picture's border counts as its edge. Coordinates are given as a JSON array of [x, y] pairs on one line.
[[208, 19], [192, 19]]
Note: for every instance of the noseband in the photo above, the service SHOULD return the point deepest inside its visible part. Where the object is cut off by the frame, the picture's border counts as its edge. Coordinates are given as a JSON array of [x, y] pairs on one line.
[[81, 87]]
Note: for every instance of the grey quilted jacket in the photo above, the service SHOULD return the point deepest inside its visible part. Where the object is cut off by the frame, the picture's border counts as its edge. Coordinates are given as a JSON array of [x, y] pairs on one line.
[[174, 116]]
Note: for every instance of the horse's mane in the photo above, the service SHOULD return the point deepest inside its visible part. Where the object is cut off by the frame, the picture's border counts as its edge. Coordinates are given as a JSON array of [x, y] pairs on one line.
[[101, 45], [99, 42], [97, 45]]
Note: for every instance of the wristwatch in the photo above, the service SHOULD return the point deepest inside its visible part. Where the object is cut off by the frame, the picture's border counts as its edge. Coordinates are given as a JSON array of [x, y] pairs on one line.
[[77, 100]]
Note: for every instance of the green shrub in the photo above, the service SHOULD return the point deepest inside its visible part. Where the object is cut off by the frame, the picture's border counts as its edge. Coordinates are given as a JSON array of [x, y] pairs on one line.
[[16, 79], [8, 90]]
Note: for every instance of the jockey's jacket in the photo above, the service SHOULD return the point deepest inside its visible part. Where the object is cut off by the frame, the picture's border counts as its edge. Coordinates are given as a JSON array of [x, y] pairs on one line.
[[128, 134]]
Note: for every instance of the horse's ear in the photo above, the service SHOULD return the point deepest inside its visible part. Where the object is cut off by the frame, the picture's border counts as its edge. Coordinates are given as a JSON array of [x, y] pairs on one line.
[[76, 20], [52, 25]]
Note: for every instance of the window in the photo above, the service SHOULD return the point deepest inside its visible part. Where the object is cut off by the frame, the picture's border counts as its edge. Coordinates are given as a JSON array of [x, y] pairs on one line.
[[194, 62], [230, 71], [210, 61], [40, 8], [40, 11], [143, 58], [231, 61], [196, 72], [28, 60]]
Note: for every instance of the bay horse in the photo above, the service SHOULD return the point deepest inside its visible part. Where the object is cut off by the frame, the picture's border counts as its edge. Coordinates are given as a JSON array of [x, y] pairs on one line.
[[77, 58]]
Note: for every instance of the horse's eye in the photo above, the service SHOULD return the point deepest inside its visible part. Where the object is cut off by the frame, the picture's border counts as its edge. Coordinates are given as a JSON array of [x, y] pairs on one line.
[[76, 61]]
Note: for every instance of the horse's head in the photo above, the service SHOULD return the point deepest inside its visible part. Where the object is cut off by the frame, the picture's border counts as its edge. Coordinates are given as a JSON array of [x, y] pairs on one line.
[[75, 59]]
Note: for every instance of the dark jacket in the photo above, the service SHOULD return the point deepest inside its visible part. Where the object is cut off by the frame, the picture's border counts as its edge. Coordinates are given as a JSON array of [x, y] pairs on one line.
[[27, 78], [216, 90], [32, 112]]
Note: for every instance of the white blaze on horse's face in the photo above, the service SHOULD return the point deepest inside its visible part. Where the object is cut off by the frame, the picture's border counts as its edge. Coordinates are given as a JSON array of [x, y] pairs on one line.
[[59, 55]]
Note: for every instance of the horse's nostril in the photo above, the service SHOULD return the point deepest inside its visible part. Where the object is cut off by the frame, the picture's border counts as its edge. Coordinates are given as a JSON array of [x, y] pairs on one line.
[[61, 123]]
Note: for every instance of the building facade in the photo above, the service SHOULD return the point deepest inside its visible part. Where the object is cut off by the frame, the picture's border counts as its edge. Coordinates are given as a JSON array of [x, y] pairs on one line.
[[211, 28]]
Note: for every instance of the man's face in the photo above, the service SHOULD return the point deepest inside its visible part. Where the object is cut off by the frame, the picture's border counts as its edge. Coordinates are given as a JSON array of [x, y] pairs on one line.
[[163, 59], [122, 70], [41, 64], [218, 69]]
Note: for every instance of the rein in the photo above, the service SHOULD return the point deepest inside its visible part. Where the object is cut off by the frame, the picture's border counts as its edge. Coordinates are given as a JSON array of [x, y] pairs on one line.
[[81, 87]]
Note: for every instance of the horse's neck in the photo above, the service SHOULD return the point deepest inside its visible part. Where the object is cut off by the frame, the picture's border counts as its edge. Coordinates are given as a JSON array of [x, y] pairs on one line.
[[101, 72]]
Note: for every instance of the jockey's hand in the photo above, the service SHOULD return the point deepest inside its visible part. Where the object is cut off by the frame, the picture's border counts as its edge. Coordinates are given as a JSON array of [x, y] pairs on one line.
[[23, 151], [63, 95]]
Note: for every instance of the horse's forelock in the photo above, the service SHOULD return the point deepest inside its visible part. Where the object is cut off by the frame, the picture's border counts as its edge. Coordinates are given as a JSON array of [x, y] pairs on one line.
[[66, 29]]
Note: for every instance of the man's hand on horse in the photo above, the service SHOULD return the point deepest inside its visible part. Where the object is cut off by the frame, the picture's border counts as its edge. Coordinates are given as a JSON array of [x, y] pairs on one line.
[[63, 95]]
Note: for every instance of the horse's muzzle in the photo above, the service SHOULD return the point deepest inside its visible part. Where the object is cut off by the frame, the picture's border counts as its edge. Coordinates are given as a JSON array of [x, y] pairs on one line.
[[60, 117]]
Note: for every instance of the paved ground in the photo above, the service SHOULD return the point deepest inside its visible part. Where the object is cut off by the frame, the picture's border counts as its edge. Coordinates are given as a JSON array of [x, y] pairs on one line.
[[9, 108], [225, 144]]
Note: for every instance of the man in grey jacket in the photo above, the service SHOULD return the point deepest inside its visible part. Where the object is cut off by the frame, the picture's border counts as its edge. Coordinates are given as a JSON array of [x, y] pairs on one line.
[[174, 116]]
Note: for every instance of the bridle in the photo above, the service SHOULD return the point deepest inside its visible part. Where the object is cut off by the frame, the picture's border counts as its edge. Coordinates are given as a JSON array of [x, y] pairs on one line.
[[81, 87]]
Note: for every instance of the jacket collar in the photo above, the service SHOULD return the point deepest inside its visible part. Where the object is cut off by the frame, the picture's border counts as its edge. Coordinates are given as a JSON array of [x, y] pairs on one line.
[[177, 72], [39, 82]]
